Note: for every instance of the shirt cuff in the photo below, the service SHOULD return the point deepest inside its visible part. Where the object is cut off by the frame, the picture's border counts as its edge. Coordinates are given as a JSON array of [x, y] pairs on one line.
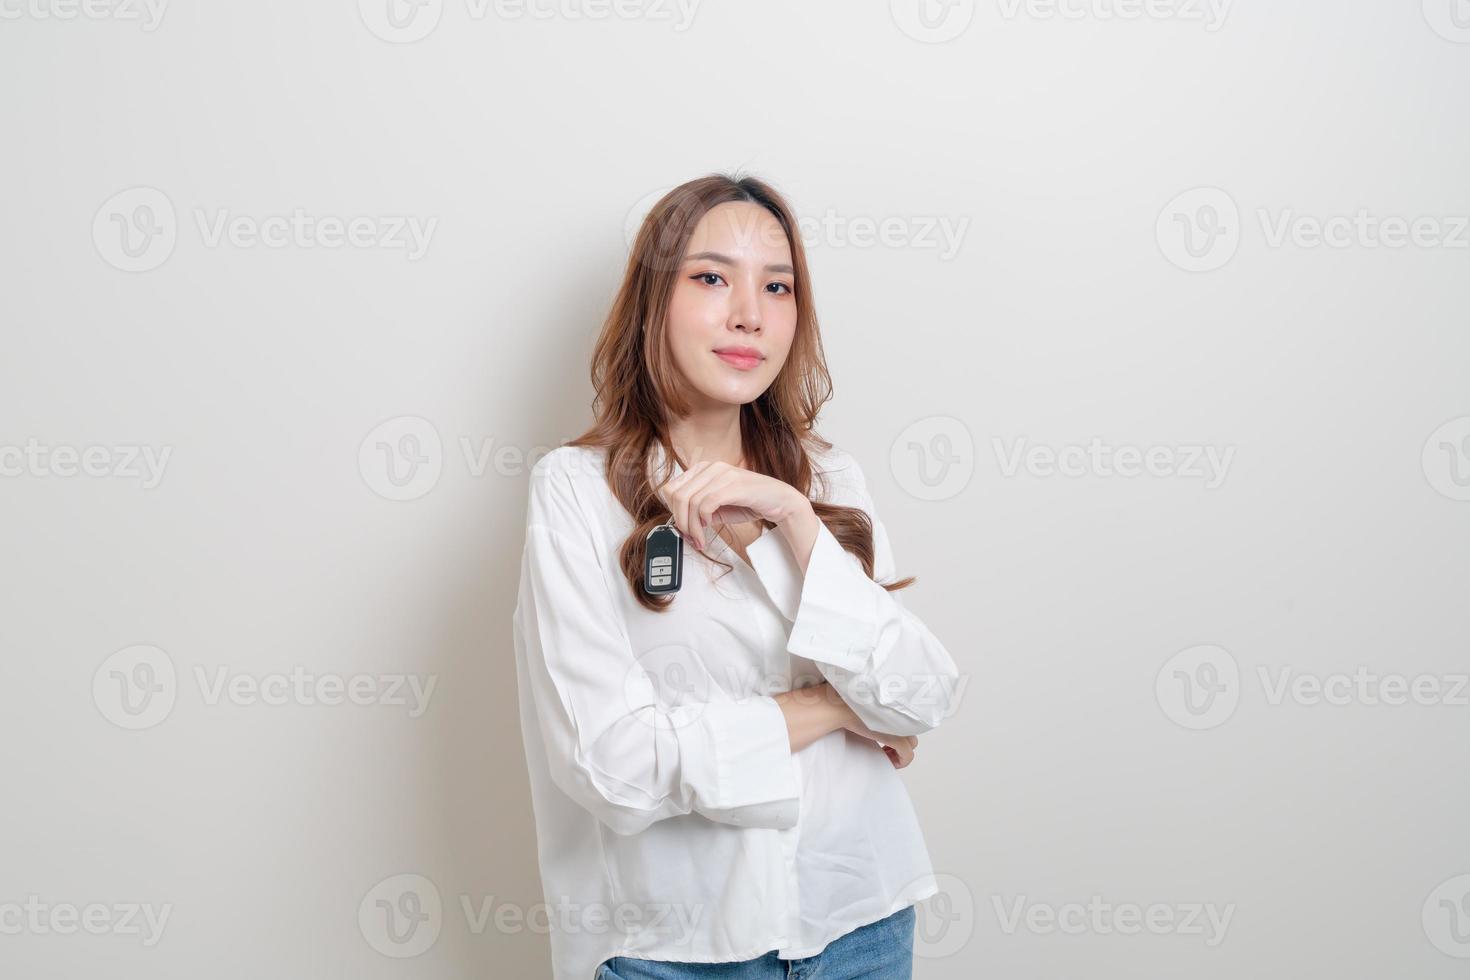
[[746, 774], [832, 608]]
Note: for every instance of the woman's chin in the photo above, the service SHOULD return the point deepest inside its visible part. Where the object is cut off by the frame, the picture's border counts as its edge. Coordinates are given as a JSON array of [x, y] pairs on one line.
[[734, 395]]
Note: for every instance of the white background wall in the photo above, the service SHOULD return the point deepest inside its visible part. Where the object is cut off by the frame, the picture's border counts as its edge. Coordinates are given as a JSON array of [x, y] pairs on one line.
[[1053, 143]]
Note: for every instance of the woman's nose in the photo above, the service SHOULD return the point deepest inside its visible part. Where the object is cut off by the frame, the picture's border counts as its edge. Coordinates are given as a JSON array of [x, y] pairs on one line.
[[745, 312]]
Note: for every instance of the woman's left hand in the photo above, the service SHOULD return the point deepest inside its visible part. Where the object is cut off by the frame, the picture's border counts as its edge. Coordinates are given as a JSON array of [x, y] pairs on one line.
[[899, 748], [713, 492]]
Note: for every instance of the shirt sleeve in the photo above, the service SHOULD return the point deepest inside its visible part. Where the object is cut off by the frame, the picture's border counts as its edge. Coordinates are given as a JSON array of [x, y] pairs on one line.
[[887, 665], [612, 744]]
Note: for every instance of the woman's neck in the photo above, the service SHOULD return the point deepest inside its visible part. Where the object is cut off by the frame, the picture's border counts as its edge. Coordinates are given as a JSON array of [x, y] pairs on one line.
[[708, 436]]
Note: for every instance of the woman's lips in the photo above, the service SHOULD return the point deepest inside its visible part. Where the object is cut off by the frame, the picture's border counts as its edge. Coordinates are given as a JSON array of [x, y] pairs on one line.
[[744, 362]]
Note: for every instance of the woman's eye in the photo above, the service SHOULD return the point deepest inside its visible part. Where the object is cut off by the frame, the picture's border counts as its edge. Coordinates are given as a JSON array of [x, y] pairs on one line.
[[705, 278], [781, 287]]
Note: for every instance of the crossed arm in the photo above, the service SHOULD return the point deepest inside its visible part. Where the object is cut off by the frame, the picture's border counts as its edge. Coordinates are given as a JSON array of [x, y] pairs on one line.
[[815, 711], [818, 710], [617, 748]]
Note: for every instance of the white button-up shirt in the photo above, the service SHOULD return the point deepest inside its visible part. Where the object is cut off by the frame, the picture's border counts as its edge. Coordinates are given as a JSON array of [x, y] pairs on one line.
[[673, 820]]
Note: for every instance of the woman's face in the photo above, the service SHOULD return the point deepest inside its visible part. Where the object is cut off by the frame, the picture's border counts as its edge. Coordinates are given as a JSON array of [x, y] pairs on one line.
[[733, 310]]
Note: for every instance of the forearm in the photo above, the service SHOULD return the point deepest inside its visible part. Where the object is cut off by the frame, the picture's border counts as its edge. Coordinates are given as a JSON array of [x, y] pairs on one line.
[[889, 667], [812, 712], [798, 526]]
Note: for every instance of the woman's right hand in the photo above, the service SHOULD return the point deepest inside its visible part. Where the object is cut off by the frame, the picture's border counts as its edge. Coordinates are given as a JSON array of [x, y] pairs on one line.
[[818, 709], [899, 748]]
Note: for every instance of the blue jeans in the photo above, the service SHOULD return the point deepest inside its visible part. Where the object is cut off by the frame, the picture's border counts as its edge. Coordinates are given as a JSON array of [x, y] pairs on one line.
[[882, 950]]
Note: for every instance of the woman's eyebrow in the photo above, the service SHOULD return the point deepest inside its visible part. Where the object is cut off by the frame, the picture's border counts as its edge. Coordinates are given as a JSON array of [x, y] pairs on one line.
[[726, 260]]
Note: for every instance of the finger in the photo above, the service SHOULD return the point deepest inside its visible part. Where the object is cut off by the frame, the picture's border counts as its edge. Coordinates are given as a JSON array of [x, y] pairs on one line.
[[699, 516], [677, 500], [690, 506], [899, 749], [678, 480], [710, 498], [666, 493], [695, 491], [734, 514]]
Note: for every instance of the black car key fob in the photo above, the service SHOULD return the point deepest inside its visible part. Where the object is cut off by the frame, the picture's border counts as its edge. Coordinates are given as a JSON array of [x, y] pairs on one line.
[[663, 560]]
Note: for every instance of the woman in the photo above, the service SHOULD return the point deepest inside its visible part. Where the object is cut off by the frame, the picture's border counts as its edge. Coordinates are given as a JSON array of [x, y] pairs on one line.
[[713, 768]]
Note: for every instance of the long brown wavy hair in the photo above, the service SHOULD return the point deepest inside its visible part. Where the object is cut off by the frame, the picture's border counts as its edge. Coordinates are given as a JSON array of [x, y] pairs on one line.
[[637, 386]]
